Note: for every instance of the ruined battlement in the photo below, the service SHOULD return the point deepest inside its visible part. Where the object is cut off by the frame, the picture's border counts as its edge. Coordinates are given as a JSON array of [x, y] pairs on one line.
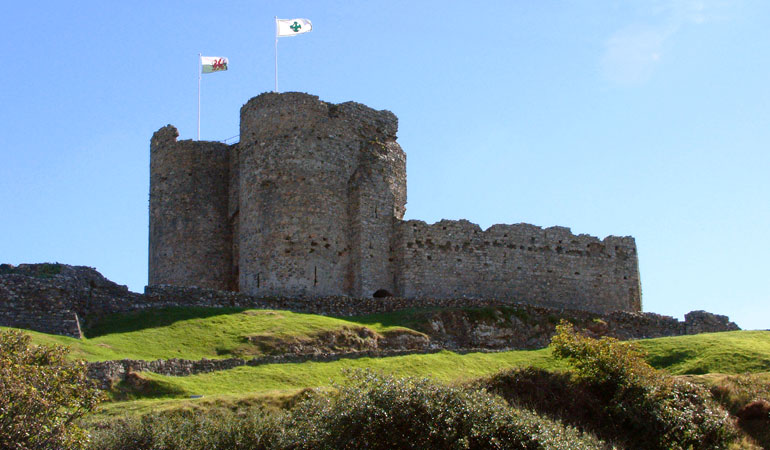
[[310, 203], [549, 267]]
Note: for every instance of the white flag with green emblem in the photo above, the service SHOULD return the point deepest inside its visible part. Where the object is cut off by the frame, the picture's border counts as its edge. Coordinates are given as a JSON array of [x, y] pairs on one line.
[[211, 64], [292, 27]]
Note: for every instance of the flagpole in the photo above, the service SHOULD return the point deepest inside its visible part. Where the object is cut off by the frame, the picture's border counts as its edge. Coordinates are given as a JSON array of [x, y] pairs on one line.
[[276, 55], [199, 96]]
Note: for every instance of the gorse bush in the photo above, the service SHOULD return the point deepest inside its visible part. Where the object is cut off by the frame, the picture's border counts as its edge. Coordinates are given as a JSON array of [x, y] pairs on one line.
[[371, 411], [650, 408], [41, 396]]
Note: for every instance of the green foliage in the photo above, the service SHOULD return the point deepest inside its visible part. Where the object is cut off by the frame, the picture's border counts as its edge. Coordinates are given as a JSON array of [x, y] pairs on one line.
[[382, 412], [370, 411], [187, 430], [41, 396], [650, 408], [602, 361]]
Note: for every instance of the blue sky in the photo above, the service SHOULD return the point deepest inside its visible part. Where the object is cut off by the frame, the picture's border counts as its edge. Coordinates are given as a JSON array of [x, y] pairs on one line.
[[644, 118]]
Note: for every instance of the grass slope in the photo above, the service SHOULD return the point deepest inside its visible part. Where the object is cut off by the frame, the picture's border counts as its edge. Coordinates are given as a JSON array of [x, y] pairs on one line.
[[727, 353], [272, 381], [731, 352], [195, 333]]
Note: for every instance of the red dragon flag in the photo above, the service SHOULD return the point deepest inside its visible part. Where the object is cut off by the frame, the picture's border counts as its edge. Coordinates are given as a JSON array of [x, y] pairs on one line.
[[211, 64], [292, 27]]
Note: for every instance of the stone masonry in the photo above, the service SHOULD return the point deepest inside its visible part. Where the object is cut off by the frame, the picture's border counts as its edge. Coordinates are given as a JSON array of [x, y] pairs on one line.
[[63, 299], [310, 204]]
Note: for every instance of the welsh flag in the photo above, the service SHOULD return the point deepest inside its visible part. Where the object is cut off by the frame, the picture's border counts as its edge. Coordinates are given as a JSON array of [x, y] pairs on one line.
[[211, 64], [292, 27]]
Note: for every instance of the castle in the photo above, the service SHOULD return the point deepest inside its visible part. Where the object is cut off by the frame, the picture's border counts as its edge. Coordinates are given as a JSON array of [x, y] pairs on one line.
[[310, 203]]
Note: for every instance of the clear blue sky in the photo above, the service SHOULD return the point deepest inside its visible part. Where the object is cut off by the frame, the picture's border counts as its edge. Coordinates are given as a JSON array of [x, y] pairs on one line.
[[644, 118]]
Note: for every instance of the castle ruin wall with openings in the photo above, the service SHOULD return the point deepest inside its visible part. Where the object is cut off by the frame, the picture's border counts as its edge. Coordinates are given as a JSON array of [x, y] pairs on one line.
[[310, 203]]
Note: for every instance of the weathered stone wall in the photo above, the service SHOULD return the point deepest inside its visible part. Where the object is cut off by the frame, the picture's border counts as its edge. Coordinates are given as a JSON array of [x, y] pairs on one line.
[[297, 156], [377, 199], [310, 204], [190, 233], [524, 263], [46, 297], [57, 298]]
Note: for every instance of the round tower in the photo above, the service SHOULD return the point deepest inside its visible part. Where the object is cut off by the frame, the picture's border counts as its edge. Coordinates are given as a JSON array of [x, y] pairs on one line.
[[301, 165], [190, 237]]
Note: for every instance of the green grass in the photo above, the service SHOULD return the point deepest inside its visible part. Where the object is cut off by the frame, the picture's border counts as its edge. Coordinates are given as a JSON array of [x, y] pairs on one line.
[[445, 367], [194, 333], [729, 353], [269, 382], [725, 353]]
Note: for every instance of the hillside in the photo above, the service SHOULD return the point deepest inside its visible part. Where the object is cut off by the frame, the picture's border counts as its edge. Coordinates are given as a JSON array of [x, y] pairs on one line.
[[225, 333], [283, 354]]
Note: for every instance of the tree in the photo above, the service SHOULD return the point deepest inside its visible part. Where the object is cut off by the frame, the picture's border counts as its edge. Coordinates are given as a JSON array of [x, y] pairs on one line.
[[42, 394]]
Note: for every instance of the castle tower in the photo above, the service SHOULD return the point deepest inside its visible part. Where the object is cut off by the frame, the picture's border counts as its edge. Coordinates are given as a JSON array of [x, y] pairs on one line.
[[320, 189], [190, 237]]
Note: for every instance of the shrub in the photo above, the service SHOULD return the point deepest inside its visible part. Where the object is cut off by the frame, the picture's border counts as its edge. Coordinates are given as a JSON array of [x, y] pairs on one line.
[[648, 407], [371, 411], [41, 395], [381, 412], [188, 430]]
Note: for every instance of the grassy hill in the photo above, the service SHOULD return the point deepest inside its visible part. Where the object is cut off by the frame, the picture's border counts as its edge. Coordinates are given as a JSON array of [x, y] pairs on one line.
[[734, 366], [195, 333]]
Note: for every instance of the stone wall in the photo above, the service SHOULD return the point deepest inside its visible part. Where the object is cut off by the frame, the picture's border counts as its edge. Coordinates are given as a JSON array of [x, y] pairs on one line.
[[49, 297], [314, 177], [310, 204], [57, 298], [190, 233], [524, 263]]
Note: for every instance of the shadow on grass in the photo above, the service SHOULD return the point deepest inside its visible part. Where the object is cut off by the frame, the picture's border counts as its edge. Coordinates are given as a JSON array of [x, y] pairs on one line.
[[140, 320], [671, 358], [138, 386], [408, 318]]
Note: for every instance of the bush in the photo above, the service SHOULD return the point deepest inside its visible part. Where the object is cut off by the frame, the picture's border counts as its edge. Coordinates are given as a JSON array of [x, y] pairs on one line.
[[188, 430], [41, 395], [381, 412], [371, 411], [647, 407]]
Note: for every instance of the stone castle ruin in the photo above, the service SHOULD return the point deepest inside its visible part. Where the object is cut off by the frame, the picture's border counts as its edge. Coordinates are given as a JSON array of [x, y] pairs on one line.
[[310, 203]]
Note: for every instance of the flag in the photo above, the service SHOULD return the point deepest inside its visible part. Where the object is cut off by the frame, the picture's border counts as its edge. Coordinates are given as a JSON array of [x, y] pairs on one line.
[[292, 27], [213, 64]]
